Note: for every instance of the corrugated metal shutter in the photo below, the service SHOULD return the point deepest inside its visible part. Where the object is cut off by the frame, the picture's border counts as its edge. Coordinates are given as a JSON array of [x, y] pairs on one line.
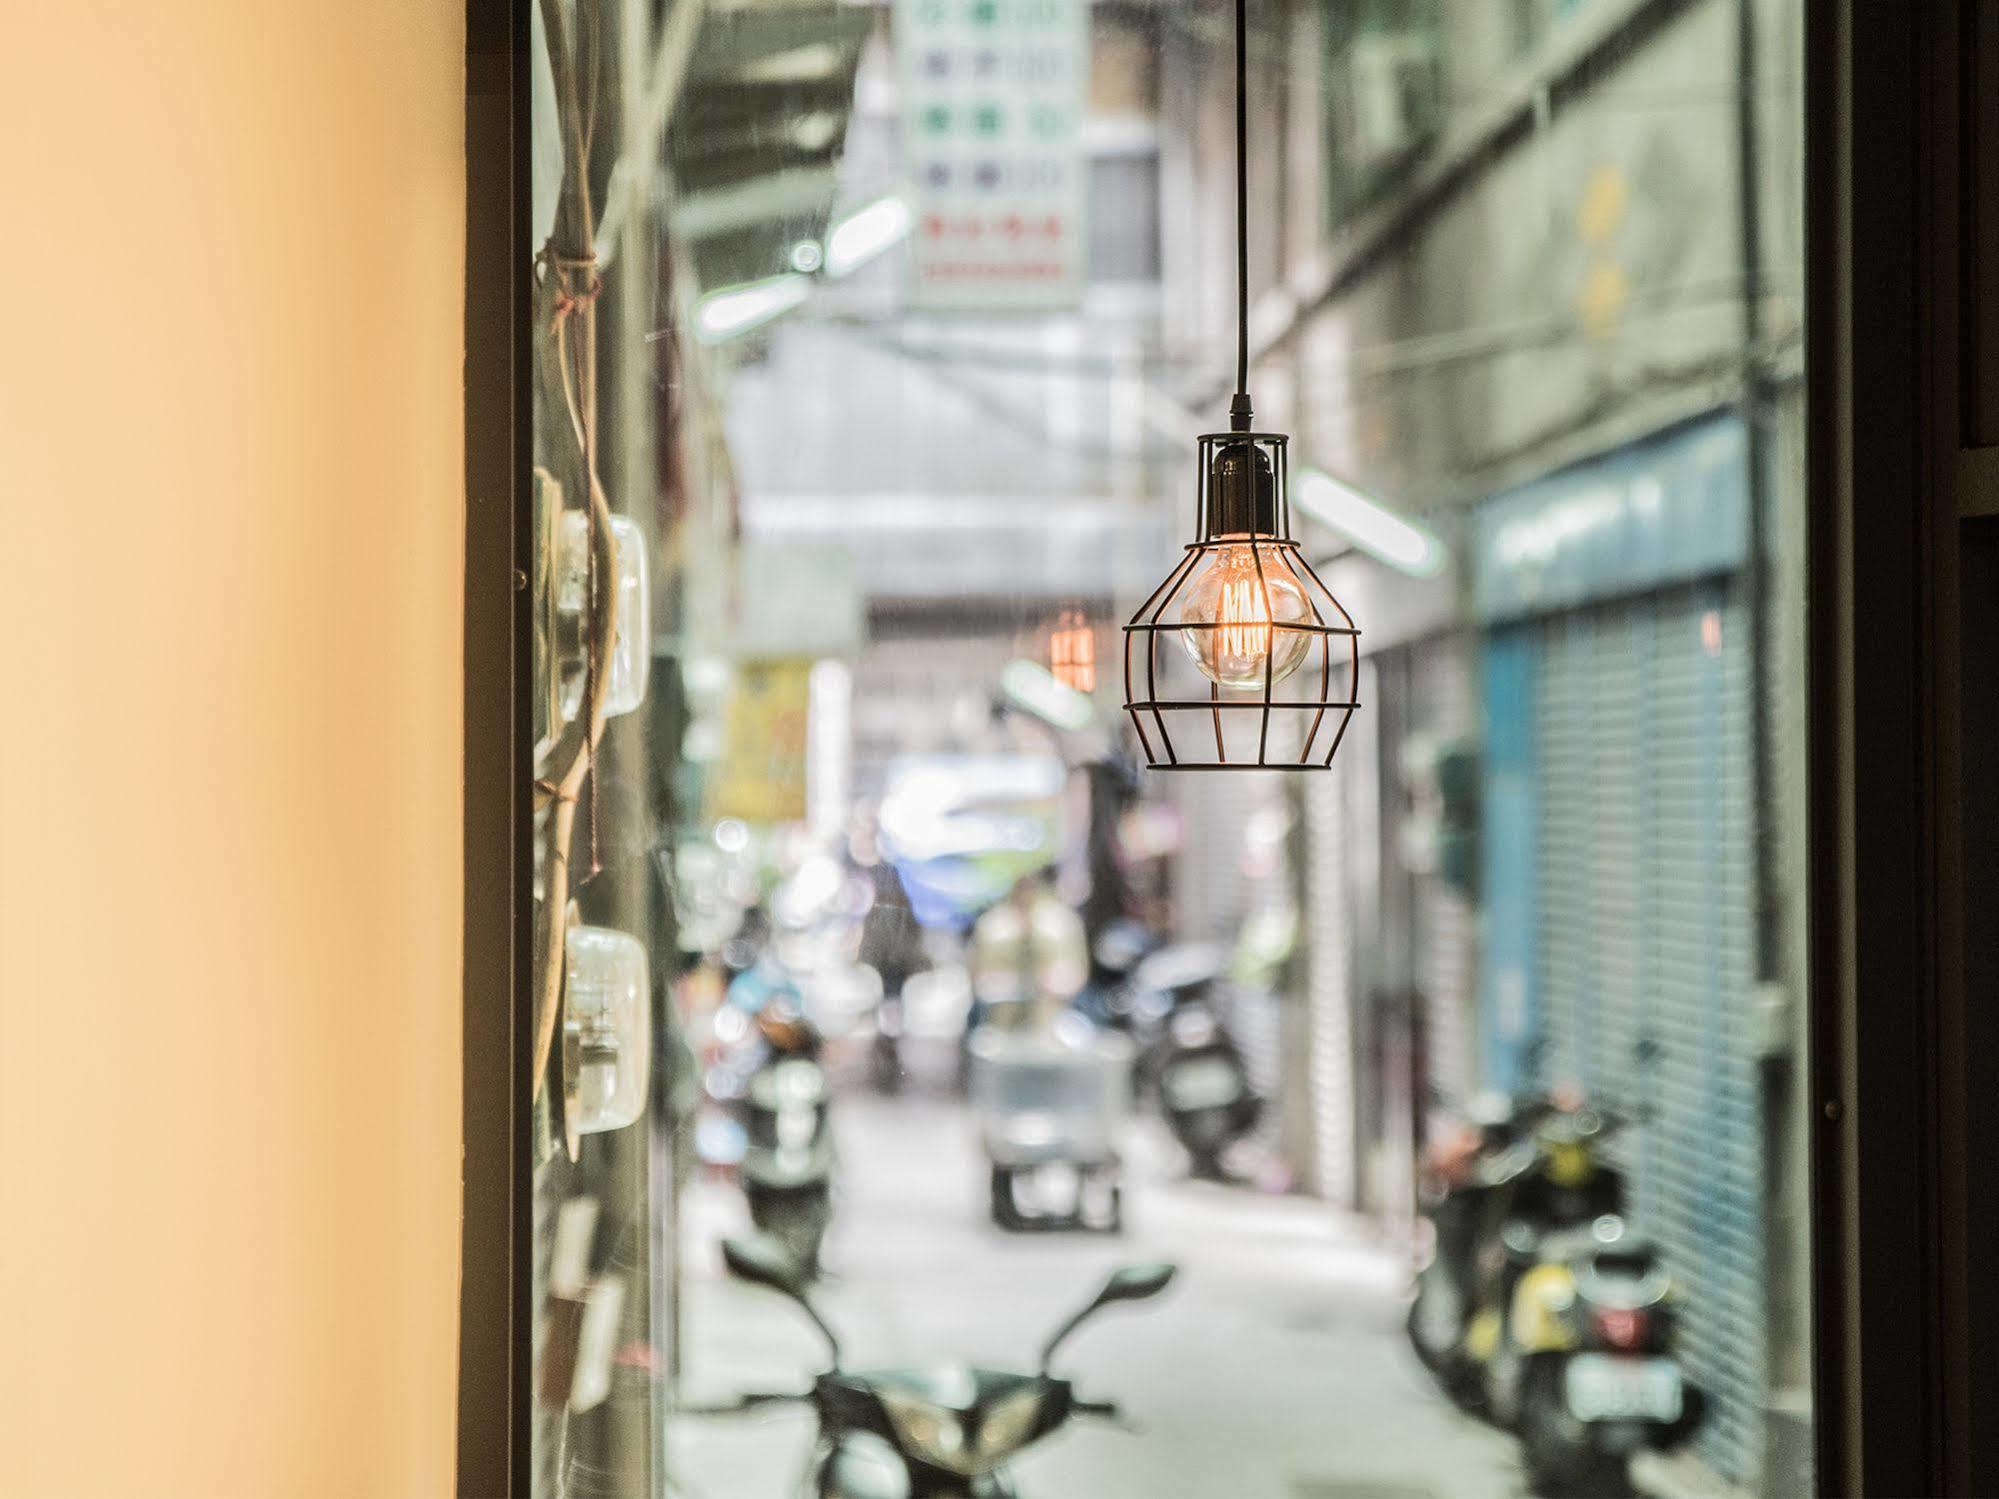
[[1446, 923], [1328, 988], [1213, 897], [1447, 972], [1209, 895], [1339, 830], [1340, 811], [1706, 1154], [1643, 717]]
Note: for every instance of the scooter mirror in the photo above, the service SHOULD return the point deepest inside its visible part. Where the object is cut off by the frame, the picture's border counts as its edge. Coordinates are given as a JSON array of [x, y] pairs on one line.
[[1136, 1282], [763, 1262], [1131, 1283]]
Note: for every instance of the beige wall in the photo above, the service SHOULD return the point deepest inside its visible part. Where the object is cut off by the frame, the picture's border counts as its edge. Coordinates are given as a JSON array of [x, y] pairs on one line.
[[229, 748]]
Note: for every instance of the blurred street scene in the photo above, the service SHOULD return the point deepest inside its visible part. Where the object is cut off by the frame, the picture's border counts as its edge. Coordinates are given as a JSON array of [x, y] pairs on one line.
[[1282, 1310], [1457, 1080]]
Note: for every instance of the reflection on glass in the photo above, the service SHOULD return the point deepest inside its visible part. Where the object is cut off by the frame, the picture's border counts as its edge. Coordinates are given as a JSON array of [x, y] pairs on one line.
[[607, 1028], [630, 655], [1455, 1090]]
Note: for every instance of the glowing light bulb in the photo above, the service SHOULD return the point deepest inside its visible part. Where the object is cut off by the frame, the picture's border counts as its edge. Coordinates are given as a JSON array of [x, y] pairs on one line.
[[1235, 610]]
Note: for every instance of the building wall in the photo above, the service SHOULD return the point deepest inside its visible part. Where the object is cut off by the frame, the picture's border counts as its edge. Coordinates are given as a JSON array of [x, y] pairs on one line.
[[230, 773], [1581, 288], [1571, 286]]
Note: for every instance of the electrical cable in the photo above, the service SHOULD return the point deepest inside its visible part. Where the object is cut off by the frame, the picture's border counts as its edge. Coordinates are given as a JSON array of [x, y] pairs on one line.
[[1239, 408]]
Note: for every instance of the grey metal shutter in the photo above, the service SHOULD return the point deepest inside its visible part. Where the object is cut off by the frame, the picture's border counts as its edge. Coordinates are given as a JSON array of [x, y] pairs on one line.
[[1334, 838], [1209, 898], [1446, 924], [1643, 717], [1447, 972]]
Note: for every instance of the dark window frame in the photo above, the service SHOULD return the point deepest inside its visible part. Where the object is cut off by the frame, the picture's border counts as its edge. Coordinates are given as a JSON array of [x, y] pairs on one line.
[[494, 1315], [1903, 518]]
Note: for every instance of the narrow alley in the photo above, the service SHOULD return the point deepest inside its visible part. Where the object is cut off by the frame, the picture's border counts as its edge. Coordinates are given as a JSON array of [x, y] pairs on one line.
[[1275, 1368]]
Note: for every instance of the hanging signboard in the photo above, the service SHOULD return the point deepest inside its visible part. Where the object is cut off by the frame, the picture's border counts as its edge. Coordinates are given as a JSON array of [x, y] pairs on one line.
[[762, 777], [993, 95], [1670, 509]]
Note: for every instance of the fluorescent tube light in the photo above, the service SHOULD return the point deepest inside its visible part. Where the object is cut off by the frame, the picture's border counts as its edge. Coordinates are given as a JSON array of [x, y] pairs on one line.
[[864, 234], [1369, 525], [735, 310]]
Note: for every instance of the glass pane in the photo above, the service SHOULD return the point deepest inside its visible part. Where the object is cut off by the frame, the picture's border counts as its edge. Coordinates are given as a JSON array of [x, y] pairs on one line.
[[1457, 1069]]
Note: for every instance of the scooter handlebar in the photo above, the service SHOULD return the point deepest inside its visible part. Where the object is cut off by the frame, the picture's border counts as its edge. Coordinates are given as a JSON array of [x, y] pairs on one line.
[[1103, 1410], [749, 1401]]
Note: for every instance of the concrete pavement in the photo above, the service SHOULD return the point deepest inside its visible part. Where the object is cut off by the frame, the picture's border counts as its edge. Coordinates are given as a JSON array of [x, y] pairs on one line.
[[1275, 1368]]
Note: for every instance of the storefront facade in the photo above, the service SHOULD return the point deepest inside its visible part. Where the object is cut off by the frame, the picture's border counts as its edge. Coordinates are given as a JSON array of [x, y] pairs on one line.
[[1619, 942]]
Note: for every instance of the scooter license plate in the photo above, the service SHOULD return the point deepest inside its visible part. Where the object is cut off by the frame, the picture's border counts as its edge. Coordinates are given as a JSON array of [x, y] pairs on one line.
[[1607, 1387]]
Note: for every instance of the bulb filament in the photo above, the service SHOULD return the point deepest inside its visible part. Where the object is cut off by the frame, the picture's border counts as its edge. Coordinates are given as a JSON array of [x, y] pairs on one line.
[[1244, 620]]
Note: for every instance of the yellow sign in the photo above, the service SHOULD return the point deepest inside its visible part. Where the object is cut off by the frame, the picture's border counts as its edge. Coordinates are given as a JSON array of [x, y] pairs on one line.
[[762, 774]]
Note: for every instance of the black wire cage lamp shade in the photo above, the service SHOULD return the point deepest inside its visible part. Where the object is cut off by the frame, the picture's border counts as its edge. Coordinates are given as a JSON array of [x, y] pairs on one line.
[[1241, 659], [1267, 661]]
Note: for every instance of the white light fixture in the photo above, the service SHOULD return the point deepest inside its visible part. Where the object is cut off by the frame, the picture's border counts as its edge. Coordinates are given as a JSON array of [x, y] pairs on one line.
[[631, 643], [735, 310], [607, 1028], [1369, 525], [865, 234], [1031, 686], [850, 244]]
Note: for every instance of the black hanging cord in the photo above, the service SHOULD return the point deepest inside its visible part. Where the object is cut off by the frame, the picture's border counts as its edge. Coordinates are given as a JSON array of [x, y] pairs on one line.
[[1239, 407]]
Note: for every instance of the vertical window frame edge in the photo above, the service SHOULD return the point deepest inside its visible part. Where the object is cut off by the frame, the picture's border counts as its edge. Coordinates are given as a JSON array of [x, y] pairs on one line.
[[1873, 892], [492, 1451]]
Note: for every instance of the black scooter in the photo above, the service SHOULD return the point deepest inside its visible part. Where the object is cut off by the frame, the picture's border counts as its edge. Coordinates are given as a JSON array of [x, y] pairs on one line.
[[935, 1433], [771, 1080], [1600, 1376], [1204, 1088], [1188, 1058], [1461, 1174], [1164, 1000], [787, 1166]]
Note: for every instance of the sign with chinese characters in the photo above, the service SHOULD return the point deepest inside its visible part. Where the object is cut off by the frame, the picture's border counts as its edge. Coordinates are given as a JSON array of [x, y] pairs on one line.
[[993, 94]]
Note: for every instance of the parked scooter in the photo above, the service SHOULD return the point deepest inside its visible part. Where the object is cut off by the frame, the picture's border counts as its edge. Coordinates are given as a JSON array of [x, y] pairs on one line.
[[1513, 1175], [1204, 1088], [1590, 1335], [1185, 1055], [927, 1433], [1461, 1173], [787, 1166], [768, 1082], [1569, 1339], [1115, 956], [1156, 987]]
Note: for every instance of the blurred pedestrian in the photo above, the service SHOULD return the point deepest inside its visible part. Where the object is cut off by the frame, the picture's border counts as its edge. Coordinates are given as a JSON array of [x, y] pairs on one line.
[[1030, 957]]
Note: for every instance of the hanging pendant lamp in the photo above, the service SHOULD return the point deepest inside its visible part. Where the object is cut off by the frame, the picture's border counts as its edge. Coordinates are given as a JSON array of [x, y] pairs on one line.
[[1263, 673]]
